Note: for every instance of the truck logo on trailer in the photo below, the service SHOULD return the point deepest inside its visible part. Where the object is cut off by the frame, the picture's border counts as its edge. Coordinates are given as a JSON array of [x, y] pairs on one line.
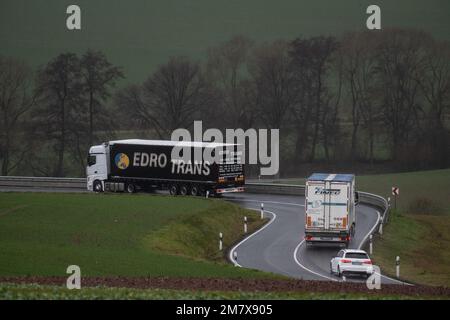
[[122, 161], [321, 190]]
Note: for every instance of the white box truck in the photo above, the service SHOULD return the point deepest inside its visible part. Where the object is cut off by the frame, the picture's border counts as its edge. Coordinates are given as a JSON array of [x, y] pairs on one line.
[[330, 208]]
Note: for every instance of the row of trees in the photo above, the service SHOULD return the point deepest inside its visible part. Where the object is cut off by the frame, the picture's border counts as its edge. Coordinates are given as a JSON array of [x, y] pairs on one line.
[[53, 112], [365, 96]]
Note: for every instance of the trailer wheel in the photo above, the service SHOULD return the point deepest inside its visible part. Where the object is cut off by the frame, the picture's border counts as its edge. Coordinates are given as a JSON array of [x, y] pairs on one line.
[[184, 190], [194, 191], [131, 188], [173, 189], [98, 187]]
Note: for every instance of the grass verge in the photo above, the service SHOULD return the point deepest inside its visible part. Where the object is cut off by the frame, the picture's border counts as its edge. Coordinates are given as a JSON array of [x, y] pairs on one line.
[[41, 234], [422, 242]]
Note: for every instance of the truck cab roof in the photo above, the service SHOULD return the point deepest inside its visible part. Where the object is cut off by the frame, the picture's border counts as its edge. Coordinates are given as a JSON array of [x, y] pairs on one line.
[[331, 177]]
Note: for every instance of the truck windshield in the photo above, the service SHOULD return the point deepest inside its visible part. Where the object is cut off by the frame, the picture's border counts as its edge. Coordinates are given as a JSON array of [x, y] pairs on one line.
[[91, 160]]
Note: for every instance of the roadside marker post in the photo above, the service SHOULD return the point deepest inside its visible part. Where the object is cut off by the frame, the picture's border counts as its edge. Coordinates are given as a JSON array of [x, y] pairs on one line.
[[262, 210], [395, 193], [397, 266], [235, 255], [245, 224], [344, 278], [370, 244], [380, 231], [220, 241], [207, 193]]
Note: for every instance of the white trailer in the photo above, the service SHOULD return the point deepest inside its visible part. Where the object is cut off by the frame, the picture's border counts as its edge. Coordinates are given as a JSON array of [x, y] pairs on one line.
[[330, 208]]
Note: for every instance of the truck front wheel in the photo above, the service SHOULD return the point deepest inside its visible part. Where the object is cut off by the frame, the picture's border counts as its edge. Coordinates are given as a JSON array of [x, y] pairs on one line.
[[173, 190], [98, 187]]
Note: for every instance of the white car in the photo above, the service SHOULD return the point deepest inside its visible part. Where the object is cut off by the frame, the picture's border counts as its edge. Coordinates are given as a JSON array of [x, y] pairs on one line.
[[350, 261]]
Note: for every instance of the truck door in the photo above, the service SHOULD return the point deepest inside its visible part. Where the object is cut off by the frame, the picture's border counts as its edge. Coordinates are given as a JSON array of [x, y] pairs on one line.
[[338, 205], [316, 210], [327, 205]]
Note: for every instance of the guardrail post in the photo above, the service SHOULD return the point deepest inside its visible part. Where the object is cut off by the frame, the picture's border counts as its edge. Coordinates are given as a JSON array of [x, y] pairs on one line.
[[262, 210], [397, 266], [245, 224], [370, 244], [220, 241]]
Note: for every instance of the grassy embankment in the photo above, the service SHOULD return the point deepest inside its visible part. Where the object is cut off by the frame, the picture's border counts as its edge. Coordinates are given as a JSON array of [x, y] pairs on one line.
[[112, 234], [419, 231]]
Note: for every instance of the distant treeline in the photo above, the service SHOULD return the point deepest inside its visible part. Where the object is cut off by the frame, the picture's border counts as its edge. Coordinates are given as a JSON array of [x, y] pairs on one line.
[[363, 97]]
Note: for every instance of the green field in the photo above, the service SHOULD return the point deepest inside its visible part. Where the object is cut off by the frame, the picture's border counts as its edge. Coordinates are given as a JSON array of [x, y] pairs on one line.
[[34, 291], [117, 234]]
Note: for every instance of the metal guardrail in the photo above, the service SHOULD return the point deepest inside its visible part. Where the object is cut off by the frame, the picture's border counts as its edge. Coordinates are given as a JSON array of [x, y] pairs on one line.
[[14, 182], [69, 184]]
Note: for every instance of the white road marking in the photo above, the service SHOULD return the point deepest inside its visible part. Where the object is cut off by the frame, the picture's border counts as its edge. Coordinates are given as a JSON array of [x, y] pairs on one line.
[[264, 201], [300, 244], [274, 216], [364, 239], [303, 267], [371, 230]]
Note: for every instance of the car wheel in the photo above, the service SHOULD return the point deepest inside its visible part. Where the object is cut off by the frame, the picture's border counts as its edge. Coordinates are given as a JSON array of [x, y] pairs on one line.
[[173, 190], [194, 191], [98, 187], [184, 190], [131, 188]]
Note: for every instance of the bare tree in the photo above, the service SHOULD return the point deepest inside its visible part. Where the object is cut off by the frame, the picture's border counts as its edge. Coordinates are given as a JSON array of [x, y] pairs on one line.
[[399, 61], [358, 52], [227, 68], [16, 98], [171, 98], [435, 87], [311, 58], [274, 80], [59, 84], [99, 77]]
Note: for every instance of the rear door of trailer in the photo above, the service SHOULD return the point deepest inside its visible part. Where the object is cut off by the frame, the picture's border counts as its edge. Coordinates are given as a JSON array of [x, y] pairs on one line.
[[337, 204], [316, 213]]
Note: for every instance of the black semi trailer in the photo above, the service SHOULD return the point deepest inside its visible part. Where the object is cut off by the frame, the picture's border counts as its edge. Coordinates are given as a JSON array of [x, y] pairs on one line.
[[132, 165]]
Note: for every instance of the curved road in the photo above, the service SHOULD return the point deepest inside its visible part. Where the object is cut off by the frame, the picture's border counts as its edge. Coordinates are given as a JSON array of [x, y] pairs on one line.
[[279, 248]]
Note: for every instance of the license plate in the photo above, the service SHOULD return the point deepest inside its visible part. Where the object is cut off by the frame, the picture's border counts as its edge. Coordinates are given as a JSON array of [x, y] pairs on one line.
[[357, 263]]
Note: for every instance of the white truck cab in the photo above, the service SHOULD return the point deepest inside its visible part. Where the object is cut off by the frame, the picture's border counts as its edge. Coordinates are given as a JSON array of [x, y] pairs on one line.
[[97, 168]]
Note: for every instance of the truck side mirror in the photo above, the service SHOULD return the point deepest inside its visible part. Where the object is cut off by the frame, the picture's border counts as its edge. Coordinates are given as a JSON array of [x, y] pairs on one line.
[[356, 198]]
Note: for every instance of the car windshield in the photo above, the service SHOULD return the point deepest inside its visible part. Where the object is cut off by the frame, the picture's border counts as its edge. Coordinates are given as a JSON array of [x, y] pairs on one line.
[[356, 255]]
